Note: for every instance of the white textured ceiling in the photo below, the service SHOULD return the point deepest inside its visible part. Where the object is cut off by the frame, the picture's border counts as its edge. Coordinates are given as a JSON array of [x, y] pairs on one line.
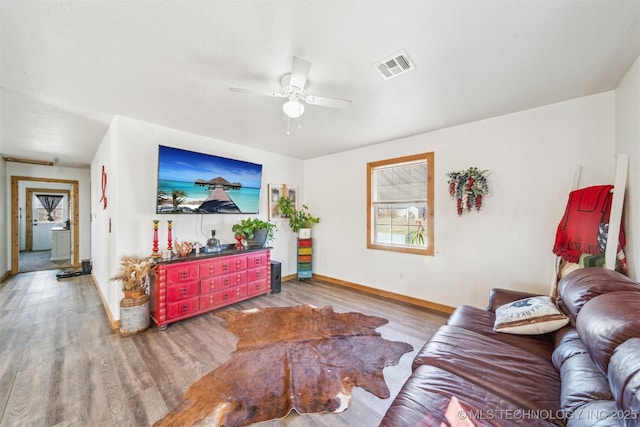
[[67, 67]]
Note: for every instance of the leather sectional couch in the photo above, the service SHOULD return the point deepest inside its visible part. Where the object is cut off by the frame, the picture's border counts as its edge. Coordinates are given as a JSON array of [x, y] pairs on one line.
[[585, 374]]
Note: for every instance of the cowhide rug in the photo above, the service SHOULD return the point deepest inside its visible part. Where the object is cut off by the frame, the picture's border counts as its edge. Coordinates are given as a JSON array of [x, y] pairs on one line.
[[301, 358]]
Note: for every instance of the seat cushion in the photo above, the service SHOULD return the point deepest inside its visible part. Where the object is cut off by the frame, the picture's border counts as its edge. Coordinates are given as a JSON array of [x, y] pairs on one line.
[[482, 321], [424, 398], [519, 376]]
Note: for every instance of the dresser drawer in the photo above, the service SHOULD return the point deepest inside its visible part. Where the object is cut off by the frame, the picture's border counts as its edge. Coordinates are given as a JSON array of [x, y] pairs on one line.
[[207, 301], [183, 272], [223, 265], [256, 274], [180, 291], [218, 283], [233, 263], [304, 258], [305, 251], [259, 287], [305, 274], [304, 243], [304, 266], [182, 308], [258, 259], [230, 295]]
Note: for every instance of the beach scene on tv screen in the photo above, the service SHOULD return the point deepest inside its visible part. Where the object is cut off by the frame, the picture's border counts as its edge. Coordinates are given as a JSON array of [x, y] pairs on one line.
[[191, 182]]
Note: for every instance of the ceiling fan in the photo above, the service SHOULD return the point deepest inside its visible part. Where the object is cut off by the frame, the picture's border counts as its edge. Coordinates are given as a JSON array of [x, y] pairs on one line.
[[294, 88]]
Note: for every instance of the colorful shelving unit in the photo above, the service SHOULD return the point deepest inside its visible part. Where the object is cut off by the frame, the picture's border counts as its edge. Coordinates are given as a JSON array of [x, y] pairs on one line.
[[305, 253]]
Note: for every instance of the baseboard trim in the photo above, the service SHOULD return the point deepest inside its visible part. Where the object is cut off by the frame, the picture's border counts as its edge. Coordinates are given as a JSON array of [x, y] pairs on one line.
[[115, 324], [5, 276], [386, 294], [289, 277]]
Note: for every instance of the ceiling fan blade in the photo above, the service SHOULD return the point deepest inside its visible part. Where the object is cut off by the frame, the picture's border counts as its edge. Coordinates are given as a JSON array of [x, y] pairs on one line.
[[327, 102], [299, 72], [257, 92]]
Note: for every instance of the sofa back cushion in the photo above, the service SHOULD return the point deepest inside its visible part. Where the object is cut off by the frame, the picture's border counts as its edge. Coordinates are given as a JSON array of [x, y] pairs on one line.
[[624, 379], [606, 322], [580, 286]]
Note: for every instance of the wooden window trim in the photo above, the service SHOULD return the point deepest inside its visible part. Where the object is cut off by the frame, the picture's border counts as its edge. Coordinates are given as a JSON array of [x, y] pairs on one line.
[[429, 251]]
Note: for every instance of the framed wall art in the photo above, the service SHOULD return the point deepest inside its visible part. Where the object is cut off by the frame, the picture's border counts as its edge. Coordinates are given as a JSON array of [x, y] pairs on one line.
[[276, 191]]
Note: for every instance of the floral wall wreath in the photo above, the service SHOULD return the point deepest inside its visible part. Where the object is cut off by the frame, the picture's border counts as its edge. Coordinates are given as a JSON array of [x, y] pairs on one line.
[[468, 188]]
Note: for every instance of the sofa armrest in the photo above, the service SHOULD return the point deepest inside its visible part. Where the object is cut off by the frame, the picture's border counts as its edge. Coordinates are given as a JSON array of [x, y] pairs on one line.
[[499, 296]]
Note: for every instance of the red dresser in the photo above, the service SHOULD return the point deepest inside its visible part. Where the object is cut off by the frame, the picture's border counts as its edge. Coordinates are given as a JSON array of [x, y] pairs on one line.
[[189, 286]]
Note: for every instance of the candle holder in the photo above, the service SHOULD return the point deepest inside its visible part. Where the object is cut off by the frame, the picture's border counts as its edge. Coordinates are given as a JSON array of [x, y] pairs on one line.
[[169, 238], [156, 252]]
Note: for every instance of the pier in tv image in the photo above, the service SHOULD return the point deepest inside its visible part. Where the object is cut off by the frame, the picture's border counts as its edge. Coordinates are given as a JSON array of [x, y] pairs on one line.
[[198, 183]]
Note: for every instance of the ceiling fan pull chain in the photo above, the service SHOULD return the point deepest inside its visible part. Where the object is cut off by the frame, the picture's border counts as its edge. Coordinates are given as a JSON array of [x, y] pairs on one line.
[[288, 122]]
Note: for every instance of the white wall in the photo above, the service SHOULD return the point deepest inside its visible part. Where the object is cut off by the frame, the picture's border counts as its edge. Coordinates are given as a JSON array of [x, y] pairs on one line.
[[628, 141], [530, 156], [132, 157], [5, 211], [102, 241], [56, 172]]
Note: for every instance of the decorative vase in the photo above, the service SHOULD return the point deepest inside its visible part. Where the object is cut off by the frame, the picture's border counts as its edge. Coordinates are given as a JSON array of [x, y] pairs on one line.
[[134, 295], [134, 314], [304, 233], [259, 238], [239, 245]]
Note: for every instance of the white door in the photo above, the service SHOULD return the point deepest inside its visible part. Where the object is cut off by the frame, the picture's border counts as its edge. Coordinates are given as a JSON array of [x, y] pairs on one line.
[[42, 235]]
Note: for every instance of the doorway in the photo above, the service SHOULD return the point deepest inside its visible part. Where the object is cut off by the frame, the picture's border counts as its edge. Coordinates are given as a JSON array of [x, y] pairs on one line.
[[45, 242], [73, 216]]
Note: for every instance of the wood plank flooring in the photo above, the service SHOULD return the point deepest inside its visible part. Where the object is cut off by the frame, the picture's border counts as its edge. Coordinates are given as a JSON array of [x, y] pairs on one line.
[[62, 365]]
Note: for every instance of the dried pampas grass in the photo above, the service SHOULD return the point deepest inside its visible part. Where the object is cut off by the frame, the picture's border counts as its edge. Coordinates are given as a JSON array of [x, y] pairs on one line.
[[134, 272]]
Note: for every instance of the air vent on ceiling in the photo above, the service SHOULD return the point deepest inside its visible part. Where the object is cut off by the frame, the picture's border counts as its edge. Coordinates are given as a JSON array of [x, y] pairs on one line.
[[394, 65]]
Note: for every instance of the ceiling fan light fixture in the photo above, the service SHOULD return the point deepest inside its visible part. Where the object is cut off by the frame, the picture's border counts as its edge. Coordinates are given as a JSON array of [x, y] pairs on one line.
[[293, 108]]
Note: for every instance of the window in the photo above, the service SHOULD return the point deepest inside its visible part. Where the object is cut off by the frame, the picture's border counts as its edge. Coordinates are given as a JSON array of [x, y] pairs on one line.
[[41, 214], [400, 204]]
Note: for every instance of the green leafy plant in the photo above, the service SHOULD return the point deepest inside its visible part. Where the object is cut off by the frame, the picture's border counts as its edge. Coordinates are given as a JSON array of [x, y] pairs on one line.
[[298, 218], [246, 228], [175, 198]]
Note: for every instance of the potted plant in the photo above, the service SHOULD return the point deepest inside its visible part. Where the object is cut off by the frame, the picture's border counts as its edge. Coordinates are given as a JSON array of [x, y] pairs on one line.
[[299, 219], [133, 275], [254, 231], [134, 307]]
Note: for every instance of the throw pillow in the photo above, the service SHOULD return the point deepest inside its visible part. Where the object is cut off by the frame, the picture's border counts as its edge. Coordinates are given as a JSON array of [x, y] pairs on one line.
[[529, 316]]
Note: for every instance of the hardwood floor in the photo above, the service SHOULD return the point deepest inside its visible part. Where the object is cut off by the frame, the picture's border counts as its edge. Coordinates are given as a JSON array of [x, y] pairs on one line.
[[62, 365]]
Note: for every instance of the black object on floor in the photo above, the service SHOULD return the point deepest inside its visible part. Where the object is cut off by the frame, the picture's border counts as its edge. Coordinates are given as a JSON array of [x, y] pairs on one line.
[[66, 274], [276, 276]]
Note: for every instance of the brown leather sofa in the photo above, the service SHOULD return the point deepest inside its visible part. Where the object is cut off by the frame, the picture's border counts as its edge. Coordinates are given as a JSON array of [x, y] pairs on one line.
[[585, 374]]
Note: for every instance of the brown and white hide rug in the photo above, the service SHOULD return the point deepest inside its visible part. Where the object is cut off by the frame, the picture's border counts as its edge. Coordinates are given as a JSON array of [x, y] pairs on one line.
[[303, 358]]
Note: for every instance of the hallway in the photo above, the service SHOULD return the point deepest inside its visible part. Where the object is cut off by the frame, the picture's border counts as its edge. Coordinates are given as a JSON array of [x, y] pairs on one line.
[[40, 260]]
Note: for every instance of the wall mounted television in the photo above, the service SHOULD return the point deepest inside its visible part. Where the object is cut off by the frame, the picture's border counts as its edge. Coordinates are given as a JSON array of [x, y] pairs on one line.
[[198, 183]]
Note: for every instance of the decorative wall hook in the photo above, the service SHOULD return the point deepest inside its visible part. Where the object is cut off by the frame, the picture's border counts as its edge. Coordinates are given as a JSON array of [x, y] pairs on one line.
[[468, 187]]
